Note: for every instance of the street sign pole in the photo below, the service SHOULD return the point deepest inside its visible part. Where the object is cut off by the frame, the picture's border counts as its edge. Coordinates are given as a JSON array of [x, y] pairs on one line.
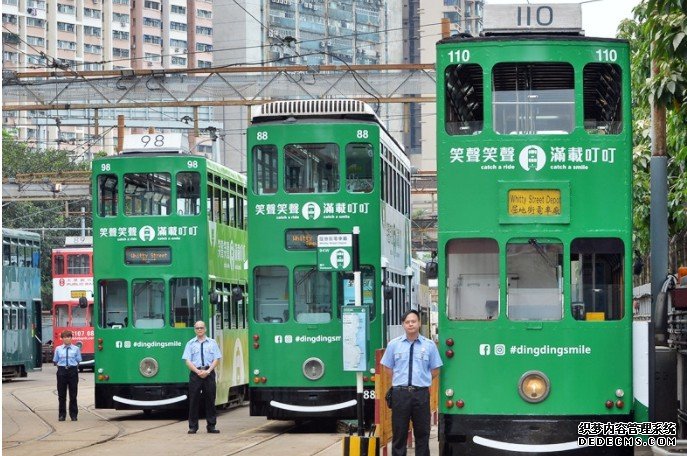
[[357, 284]]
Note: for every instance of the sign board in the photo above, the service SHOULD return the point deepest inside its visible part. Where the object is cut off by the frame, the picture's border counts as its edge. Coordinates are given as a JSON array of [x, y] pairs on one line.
[[354, 336], [534, 203], [148, 255], [78, 241], [533, 18], [335, 252], [155, 142]]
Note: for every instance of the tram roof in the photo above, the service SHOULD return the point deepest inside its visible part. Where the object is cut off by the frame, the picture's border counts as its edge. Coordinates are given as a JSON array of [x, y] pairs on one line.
[[325, 109], [344, 108], [21, 234], [463, 37]]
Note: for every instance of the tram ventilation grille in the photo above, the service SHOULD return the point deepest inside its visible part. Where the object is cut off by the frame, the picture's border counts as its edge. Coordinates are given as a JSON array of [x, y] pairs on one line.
[[314, 108]]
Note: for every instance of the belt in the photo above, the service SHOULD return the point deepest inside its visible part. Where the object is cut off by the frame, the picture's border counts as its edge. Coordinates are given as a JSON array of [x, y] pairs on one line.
[[67, 367], [203, 367], [411, 388]]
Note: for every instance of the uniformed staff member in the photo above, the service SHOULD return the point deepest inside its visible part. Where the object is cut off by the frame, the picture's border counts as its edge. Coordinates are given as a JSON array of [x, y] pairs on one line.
[[414, 361], [67, 358], [201, 355]]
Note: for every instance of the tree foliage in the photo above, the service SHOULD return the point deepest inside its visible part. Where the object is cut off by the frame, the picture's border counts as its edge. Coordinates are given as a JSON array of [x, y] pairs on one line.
[[658, 34], [49, 218]]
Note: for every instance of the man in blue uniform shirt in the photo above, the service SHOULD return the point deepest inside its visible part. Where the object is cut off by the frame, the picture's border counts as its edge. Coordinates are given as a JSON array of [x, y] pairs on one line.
[[414, 361], [67, 358], [201, 355]]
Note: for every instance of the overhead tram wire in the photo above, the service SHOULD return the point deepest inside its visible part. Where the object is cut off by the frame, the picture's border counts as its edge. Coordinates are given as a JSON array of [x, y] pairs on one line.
[[199, 70]]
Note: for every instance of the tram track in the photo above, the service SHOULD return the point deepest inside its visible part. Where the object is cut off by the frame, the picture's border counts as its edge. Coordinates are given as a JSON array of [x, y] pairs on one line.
[[31, 427], [51, 429]]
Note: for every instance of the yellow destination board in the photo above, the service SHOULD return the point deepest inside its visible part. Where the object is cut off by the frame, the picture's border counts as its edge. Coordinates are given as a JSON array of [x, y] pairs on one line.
[[534, 203], [76, 294]]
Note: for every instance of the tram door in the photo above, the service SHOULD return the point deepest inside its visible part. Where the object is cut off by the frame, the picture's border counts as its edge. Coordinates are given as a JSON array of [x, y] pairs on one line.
[[37, 329]]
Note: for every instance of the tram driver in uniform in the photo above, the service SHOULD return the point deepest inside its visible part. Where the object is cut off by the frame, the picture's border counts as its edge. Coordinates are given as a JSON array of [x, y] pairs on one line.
[[414, 361], [201, 355], [67, 358]]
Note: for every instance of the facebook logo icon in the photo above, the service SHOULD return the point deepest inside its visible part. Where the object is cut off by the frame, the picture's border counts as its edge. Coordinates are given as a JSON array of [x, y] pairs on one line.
[[484, 349]]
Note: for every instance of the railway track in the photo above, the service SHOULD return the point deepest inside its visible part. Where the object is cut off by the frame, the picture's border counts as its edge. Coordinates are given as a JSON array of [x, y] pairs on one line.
[[30, 427]]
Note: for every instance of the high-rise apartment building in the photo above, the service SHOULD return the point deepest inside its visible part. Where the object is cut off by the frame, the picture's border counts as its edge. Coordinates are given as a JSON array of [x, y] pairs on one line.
[[82, 35], [305, 32]]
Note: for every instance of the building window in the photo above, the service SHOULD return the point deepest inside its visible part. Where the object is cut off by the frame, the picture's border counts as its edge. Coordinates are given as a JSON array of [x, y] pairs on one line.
[[151, 5], [179, 61], [179, 9], [204, 30]]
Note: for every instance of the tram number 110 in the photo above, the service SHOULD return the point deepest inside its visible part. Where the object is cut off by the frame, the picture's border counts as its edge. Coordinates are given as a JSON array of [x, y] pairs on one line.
[[543, 16]]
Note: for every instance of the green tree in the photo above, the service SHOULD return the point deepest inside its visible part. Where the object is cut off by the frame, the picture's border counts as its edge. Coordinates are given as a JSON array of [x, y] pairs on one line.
[[18, 158], [659, 30]]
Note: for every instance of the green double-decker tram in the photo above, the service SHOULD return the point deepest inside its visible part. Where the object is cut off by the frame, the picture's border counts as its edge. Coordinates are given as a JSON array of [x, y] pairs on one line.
[[321, 167], [169, 249], [534, 162]]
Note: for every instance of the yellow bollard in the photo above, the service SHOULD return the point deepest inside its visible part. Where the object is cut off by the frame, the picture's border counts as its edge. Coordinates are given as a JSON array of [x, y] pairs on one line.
[[355, 445]]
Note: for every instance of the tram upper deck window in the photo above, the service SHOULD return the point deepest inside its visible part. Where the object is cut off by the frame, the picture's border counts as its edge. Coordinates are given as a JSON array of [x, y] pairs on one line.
[[78, 264], [597, 279], [147, 193], [535, 285], [113, 308], [312, 295], [188, 193], [311, 168], [359, 168], [472, 279], [108, 189], [265, 169], [187, 301], [271, 291], [464, 99], [148, 303], [603, 99], [533, 98], [58, 265]]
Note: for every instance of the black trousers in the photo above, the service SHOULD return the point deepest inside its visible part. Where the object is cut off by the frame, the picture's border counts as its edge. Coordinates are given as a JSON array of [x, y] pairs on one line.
[[67, 379], [407, 405], [207, 388]]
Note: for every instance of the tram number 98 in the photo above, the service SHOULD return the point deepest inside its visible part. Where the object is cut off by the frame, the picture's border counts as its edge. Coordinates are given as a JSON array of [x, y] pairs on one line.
[[153, 141], [105, 167], [369, 394], [459, 56], [192, 164], [606, 55]]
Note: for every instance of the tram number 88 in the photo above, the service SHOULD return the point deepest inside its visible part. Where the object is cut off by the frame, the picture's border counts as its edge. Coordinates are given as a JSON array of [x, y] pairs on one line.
[[369, 394]]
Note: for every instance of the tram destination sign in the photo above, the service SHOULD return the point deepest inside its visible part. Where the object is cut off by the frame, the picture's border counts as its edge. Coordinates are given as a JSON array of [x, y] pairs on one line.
[[539, 18], [148, 255], [534, 203], [335, 252]]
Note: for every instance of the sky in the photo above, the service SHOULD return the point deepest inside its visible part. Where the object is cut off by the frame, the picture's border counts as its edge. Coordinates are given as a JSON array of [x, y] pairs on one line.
[[599, 18]]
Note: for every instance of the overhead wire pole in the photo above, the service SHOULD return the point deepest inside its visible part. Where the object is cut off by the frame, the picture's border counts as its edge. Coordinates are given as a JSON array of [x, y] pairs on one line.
[[658, 228]]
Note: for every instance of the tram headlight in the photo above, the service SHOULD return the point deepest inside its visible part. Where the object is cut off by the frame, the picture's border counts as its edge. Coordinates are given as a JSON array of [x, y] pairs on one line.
[[313, 368], [534, 386], [148, 367]]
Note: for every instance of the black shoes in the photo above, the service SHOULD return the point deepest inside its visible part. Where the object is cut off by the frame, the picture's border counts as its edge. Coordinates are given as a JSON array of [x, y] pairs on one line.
[[73, 418], [60, 418], [192, 431], [213, 431]]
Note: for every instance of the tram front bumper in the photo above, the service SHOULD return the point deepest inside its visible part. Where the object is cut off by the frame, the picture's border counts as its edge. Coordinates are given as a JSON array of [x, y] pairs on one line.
[[509, 435], [298, 403], [141, 397]]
